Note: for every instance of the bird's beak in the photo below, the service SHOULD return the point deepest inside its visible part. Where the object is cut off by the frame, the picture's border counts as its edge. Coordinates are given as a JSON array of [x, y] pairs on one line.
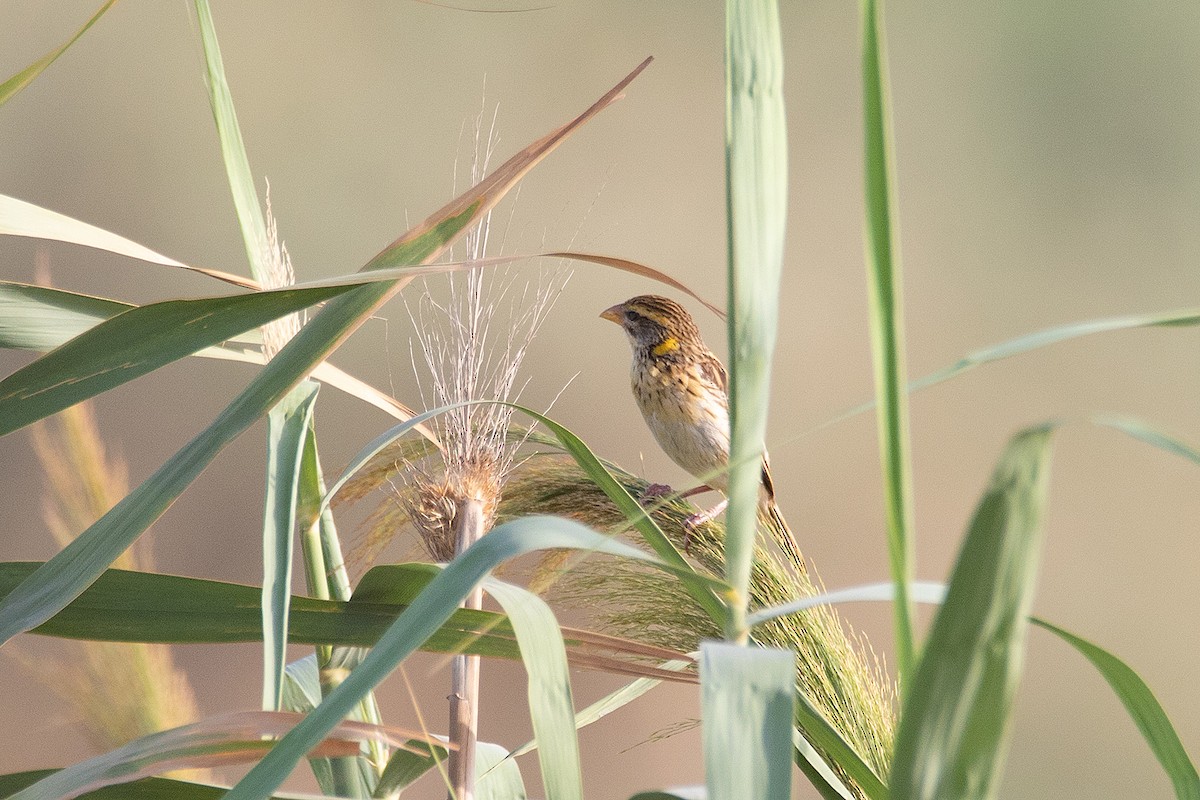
[[615, 314]]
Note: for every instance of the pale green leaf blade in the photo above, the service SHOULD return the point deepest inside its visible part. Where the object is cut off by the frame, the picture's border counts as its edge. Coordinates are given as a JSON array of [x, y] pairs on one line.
[[17, 82], [497, 776], [21, 218], [233, 150], [954, 724], [746, 702], [887, 325], [1144, 709], [1145, 432], [287, 430], [551, 708], [301, 694], [756, 207]]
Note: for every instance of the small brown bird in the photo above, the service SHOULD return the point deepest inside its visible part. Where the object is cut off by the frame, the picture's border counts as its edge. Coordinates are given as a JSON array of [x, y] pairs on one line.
[[683, 392]]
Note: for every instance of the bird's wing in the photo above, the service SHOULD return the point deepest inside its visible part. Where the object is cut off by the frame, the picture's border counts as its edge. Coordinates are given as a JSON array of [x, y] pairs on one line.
[[714, 371]]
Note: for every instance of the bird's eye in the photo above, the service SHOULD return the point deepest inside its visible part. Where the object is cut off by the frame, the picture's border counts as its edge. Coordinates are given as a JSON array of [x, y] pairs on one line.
[[630, 316]]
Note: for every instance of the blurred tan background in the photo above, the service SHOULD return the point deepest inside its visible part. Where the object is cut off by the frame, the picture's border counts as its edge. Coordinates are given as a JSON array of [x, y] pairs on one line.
[[1047, 173]]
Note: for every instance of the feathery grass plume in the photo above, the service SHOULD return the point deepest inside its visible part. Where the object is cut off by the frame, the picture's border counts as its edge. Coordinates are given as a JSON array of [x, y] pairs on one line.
[[837, 669], [279, 274], [472, 344], [122, 691]]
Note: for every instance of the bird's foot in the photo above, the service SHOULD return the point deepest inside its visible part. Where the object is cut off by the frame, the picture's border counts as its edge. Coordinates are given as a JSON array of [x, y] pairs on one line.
[[656, 491], [693, 523]]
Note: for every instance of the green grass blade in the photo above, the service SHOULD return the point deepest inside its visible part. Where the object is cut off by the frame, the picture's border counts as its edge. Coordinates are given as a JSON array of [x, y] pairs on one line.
[[1145, 432], [746, 703], [821, 734], [1145, 710], [954, 724], [137, 342], [17, 82], [427, 613], [551, 709], [756, 210], [1179, 318], [233, 150], [887, 326], [287, 430]]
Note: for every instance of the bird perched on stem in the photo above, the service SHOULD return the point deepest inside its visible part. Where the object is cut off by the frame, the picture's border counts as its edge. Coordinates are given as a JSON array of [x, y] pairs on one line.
[[683, 392]]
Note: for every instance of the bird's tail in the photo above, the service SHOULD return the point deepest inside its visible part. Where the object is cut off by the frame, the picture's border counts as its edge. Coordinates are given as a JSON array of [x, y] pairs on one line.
[[784, 537]]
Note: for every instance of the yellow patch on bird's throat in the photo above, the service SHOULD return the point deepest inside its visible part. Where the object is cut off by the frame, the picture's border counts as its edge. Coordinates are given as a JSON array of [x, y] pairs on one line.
[[667, 345]]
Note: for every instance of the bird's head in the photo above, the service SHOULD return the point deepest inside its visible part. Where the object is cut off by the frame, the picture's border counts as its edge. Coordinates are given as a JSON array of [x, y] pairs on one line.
[[655, 324]]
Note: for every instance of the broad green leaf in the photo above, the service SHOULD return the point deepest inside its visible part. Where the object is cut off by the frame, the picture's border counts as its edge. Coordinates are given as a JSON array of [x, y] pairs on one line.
[[427, 613], [62, 578], [136, 342], [232, 738], [756, 182], [42, 318], [1143, 708], [143, 607], [887, 325], [954, 725], [25, 77], [287, 430], [233, 150], [746, 699]]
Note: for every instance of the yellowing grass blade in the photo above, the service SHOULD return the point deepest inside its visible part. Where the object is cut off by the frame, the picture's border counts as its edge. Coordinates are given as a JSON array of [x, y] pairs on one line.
[[17, 82]]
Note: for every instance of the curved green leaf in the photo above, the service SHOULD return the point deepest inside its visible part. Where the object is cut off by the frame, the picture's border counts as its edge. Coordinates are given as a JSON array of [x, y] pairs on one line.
[[1143, 707], [954, 724]]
